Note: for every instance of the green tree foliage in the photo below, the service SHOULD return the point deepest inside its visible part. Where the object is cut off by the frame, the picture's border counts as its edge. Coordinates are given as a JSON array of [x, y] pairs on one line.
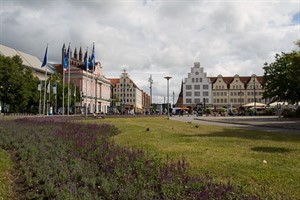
[[18, 86], [282, 77]]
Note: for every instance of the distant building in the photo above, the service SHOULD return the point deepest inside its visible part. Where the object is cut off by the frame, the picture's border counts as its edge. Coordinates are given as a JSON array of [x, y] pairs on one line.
[[237, 90], [94, 87], [196, 88], [29, 61], [127, 95], [218, 92]]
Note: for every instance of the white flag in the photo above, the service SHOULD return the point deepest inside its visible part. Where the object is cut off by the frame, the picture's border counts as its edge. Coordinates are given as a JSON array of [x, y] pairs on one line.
[[54, 89], [39, 87], [48, 88]]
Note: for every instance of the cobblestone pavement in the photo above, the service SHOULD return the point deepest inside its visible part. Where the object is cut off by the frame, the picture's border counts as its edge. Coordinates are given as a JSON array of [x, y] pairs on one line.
[[266, 123]]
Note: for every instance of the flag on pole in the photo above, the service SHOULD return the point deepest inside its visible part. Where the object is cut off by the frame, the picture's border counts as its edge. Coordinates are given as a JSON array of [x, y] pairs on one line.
[[66, 59], [54, 88], [48, 88], [45, 57], [85, 59], [92, 58], [39, 86]]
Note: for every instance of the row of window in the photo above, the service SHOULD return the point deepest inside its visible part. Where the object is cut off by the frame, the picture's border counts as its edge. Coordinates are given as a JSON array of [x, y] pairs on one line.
[[237, 87], [196, 87], [236, 93], [129, 100], [126, 95], [197, 94], [121, 90], [197, 80], [249, 100], [197, 100]]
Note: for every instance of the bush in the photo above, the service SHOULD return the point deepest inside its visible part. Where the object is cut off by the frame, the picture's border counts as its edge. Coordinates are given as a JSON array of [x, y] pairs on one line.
[[67, 160]]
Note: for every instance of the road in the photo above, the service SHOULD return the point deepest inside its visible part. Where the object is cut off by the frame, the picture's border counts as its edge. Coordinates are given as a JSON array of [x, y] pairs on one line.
[[262, 123]]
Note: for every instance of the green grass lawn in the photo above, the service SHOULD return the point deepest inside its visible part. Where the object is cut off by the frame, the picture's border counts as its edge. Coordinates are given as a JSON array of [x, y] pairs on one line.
[[227, 154], [5, 176]]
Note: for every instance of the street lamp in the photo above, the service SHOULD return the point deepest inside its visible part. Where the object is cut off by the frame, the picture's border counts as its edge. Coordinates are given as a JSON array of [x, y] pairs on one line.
[[254, 96], [151, 82], [168, 78]]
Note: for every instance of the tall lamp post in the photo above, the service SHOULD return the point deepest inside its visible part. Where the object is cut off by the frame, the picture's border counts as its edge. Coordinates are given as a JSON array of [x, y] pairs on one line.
[[168, 78], [254, 96], [151, 82], [173, 99]]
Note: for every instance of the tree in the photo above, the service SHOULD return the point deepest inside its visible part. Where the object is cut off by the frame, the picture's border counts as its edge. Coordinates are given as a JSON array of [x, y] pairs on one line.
[[282, 77], [18, 86]]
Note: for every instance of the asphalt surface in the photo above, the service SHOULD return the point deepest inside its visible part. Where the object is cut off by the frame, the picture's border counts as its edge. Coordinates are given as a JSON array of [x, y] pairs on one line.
[[263, 123]]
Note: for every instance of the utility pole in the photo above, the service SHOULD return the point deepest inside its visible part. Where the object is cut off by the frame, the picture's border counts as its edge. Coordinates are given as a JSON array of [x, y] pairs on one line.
[[168, 78], [151, 82]]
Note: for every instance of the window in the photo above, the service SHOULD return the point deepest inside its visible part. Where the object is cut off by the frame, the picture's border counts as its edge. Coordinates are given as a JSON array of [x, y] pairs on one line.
[[193, 80], [200, 80], [205, 87], [188, 87], [196, 87], [197, 73], [222, 86], [188, 94], [197, 100], [197, 94], [205, 94], [197, 80], [188, 100]]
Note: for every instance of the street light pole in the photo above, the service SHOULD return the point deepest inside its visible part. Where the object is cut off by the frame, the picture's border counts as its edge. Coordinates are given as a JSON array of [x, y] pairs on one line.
[[168, 78], [173, 98], [151, 82], [254, 97]]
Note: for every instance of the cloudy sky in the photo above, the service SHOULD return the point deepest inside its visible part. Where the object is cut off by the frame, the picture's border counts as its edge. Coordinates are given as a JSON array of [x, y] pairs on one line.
[[156, 37]]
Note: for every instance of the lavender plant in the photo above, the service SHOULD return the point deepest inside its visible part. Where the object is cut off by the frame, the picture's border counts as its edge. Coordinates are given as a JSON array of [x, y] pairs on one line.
[[60, 159]]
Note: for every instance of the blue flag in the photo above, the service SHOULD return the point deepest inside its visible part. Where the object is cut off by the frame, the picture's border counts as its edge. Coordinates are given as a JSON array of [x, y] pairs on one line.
[[66, 59], [45, 57], [92, 58], [85, 60]]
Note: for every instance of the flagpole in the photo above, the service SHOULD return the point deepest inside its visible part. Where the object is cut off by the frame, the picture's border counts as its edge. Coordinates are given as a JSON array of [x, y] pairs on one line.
[[93, 80], [45, 64], [40, 101], [75, 98], [56, 97], [86, 73], [48, 102], [69, 81], [63, 91], [45, 91]]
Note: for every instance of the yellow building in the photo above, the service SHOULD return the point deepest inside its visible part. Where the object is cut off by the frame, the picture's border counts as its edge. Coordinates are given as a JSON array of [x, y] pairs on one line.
[[237, 90]]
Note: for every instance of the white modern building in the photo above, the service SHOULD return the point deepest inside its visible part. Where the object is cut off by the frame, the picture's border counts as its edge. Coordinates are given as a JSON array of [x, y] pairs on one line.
[[29, 61], [197, 88]]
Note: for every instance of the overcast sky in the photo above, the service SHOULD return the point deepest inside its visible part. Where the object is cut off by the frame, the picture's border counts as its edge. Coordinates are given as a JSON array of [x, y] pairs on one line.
[[156, 37]]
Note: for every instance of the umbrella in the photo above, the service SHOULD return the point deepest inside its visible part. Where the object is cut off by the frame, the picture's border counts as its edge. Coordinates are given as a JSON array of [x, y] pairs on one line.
[[185, 109], [277, 103], [254, 104]]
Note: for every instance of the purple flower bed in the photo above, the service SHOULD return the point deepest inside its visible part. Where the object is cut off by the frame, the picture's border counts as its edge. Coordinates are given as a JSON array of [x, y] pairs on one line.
[[58, 159]]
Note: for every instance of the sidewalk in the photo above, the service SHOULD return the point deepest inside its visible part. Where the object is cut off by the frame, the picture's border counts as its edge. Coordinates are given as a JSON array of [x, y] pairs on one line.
[[265, 121]]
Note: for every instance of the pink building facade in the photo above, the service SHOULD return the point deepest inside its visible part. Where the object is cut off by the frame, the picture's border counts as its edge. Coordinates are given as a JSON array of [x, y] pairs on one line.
[[95, 88]]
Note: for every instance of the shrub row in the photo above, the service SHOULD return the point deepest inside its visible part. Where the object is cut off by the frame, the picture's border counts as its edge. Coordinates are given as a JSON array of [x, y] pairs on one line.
[[58, 159]]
